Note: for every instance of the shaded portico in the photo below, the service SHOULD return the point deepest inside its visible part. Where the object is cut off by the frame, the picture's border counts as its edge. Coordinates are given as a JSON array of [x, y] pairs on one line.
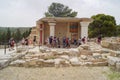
[[62, 27]]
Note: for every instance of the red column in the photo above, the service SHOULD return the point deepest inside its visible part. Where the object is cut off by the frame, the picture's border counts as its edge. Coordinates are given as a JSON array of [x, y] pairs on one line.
[[41, 32], [40, 36]]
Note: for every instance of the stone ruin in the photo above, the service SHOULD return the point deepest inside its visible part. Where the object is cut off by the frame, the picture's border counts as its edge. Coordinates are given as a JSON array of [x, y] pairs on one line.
[[111, 43], [90, 54]]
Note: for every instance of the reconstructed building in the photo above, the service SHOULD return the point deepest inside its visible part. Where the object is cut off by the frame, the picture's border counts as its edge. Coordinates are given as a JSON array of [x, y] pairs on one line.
[[72, 28]]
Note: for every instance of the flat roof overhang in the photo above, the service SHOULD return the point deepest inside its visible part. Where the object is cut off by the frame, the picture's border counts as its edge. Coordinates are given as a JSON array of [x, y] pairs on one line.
[[64, 19]]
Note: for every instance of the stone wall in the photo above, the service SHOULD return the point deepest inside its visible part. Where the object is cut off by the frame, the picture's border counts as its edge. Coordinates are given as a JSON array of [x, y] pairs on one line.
[[111, 43], [61, 29], [84, 55], [6, 62], [113, 46]]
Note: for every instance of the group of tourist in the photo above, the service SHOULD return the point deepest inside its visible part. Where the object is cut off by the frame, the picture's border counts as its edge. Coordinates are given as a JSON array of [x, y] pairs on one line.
[[53, 42], [25, 41], [65, 42]]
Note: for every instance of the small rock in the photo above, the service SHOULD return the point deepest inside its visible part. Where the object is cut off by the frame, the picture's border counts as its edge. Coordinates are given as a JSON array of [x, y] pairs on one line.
[[80, 48], [100, 63], [74, 53], [85, 46], [49, 63], [115, 53], [84, 57], [97, 55], [58, 62], [18, 63], [88, 63], [105, 55], [85, 52], [66, 57], [75, 61], [113, 60]]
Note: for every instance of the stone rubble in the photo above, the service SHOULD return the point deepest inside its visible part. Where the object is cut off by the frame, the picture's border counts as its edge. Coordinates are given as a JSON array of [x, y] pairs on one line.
[[85, 55], [90, 54], [111, 43], [6, 61], [113, 48]]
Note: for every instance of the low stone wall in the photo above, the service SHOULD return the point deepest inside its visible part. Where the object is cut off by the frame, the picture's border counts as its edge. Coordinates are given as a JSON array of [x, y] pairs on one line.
[[113, 46], [110, 45], [114, 63], [6, 63], [84, 55]]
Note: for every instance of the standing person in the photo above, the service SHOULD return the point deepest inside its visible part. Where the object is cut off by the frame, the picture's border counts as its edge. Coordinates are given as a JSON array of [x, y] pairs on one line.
[[54, 42], [26, 42], [34, 41], [47, 42], [50, 41], [75, 41], [23, 41], [67, 43], [58, 42], [79, 41], [83, 40], [30, 42], [99, 39], [64, 42], [12, 44]]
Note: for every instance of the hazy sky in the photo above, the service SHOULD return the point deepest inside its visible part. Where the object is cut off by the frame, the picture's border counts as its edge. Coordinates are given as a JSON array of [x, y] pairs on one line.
[[22, 13]]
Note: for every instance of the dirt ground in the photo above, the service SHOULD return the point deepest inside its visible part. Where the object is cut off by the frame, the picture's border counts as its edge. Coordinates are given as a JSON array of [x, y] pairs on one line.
[[52, 73]]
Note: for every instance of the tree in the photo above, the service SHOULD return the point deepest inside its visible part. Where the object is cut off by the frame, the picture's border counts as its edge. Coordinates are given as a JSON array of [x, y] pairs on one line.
[[4, 37], [26, 33], [104, 25], [118, 30], [0, 37], [8, 34], [18, 35], [59, 10]]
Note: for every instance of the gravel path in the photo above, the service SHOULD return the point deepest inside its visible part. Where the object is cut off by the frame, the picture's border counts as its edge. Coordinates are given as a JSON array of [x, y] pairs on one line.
[[51, 73]]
